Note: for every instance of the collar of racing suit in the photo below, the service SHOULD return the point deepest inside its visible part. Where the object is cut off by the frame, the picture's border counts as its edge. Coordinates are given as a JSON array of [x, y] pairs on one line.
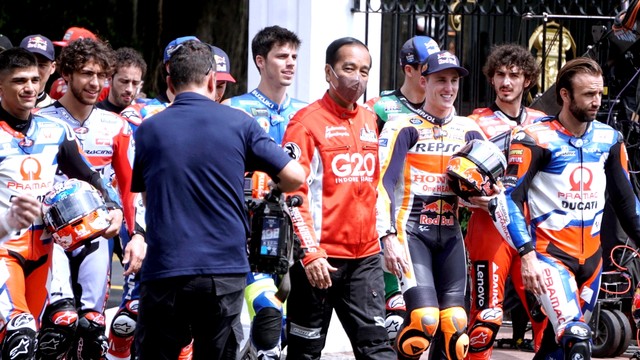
[[435, 120], [338, 110], [518, 118], [15, 123]]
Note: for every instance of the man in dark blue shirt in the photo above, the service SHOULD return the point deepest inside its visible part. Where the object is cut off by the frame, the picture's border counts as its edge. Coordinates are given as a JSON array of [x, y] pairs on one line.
[[190, 163]]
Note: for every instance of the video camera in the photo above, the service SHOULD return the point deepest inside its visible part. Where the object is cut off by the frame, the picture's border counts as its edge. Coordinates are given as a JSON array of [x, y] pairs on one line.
[[273, 245]]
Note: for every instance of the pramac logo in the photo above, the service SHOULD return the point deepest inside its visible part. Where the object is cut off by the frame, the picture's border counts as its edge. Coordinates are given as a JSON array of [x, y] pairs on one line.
[[30, 169], [581, 176]]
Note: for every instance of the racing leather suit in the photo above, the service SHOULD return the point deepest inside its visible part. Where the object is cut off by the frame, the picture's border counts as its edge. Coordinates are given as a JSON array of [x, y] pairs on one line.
[[81, 277], [416, 202], [261, 288], [390, 105], [31, 152], [492, 259], [272, 117], [561, 179], [337, 148]]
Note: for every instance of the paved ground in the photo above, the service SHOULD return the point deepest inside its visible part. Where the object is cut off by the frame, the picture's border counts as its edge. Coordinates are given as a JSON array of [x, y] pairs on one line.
[[337, 347]]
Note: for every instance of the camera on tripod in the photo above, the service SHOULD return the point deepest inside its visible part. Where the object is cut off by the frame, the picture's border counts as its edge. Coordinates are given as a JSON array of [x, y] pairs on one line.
[[272, 245]]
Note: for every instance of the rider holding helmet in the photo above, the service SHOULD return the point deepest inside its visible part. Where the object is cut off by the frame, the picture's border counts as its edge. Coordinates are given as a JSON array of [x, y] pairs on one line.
[[417, 213]]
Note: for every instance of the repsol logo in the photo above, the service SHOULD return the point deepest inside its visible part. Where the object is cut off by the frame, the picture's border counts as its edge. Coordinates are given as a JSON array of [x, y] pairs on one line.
[[438, 147], [481, 283], [345, 165]]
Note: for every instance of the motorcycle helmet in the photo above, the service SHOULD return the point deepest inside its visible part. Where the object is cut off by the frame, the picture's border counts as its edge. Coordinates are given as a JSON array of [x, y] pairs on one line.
[[74, 212], [475, 168]]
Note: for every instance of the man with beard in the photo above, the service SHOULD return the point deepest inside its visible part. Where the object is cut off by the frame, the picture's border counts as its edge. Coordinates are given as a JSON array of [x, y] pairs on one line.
[[80, 277], [559, 170], [511, 70], [126, 80]]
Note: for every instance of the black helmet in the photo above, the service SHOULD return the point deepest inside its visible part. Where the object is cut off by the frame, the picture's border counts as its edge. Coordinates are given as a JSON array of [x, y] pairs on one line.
[[475, 168]]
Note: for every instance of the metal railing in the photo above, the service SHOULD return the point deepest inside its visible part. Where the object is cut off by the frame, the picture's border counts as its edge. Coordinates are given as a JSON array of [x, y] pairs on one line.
[[555, 31]]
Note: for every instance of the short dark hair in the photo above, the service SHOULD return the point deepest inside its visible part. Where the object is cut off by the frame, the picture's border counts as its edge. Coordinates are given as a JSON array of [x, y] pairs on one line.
[[266, 38], [512, 55], [331, 56], [579, 65], [79, 52], [190, 63], [126, 57], [16, 58]]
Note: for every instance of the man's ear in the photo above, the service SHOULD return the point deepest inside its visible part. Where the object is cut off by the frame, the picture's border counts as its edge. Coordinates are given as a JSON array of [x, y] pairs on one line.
[[327, 72], [211, 84], [565, 96], [260, 62]]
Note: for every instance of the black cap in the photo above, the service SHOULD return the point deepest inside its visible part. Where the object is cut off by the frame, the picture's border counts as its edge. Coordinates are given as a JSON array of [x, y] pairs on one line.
[[5, 43]]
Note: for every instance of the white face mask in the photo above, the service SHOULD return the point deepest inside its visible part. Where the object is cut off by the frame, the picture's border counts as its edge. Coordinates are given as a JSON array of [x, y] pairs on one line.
[[349, 88]]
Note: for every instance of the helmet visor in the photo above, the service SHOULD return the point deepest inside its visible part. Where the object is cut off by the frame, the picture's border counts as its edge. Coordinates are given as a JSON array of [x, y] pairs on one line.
[[73, 207]]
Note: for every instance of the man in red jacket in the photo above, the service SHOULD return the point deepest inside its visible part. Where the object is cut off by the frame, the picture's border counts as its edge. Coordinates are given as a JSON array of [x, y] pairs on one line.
[[336, 142]]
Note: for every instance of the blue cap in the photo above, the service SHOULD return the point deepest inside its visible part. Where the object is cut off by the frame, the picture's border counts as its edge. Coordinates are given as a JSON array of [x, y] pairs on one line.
[[39, 44], [173, 46], [416, 50], [443, 60]]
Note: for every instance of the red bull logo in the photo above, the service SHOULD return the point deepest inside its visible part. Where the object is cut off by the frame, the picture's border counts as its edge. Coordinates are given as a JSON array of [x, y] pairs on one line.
[[438, 207], [474, 177], [454, 164]]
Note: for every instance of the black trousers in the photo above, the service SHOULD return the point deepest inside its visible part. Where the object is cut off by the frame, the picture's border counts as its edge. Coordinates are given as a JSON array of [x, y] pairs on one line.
[[356, 294], [175, 310]]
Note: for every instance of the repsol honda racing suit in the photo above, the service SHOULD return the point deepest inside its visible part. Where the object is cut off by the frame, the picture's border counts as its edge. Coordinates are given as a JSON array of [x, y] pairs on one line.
[[265, 310], [492, 259], [391, 105], [560, 180], [31, 151], [415, 202], [81, 277]]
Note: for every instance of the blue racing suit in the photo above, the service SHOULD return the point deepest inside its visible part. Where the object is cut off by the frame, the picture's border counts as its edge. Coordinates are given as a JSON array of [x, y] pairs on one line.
[[555, 191]]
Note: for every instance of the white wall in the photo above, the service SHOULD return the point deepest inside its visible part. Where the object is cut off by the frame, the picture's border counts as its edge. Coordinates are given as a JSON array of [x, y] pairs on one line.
[[317, 23]]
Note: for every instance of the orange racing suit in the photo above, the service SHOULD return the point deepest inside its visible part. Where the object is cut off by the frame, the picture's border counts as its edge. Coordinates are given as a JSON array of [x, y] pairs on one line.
[[415, 200], [492, 259]]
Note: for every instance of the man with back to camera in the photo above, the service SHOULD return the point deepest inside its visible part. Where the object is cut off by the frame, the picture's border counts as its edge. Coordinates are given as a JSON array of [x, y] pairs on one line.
[[559, 168], [44, 51], [31, 142], [81, 277], [511, 70], [121, 334], [192, 195], [126, 81], [335, 141], [275, 54]]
